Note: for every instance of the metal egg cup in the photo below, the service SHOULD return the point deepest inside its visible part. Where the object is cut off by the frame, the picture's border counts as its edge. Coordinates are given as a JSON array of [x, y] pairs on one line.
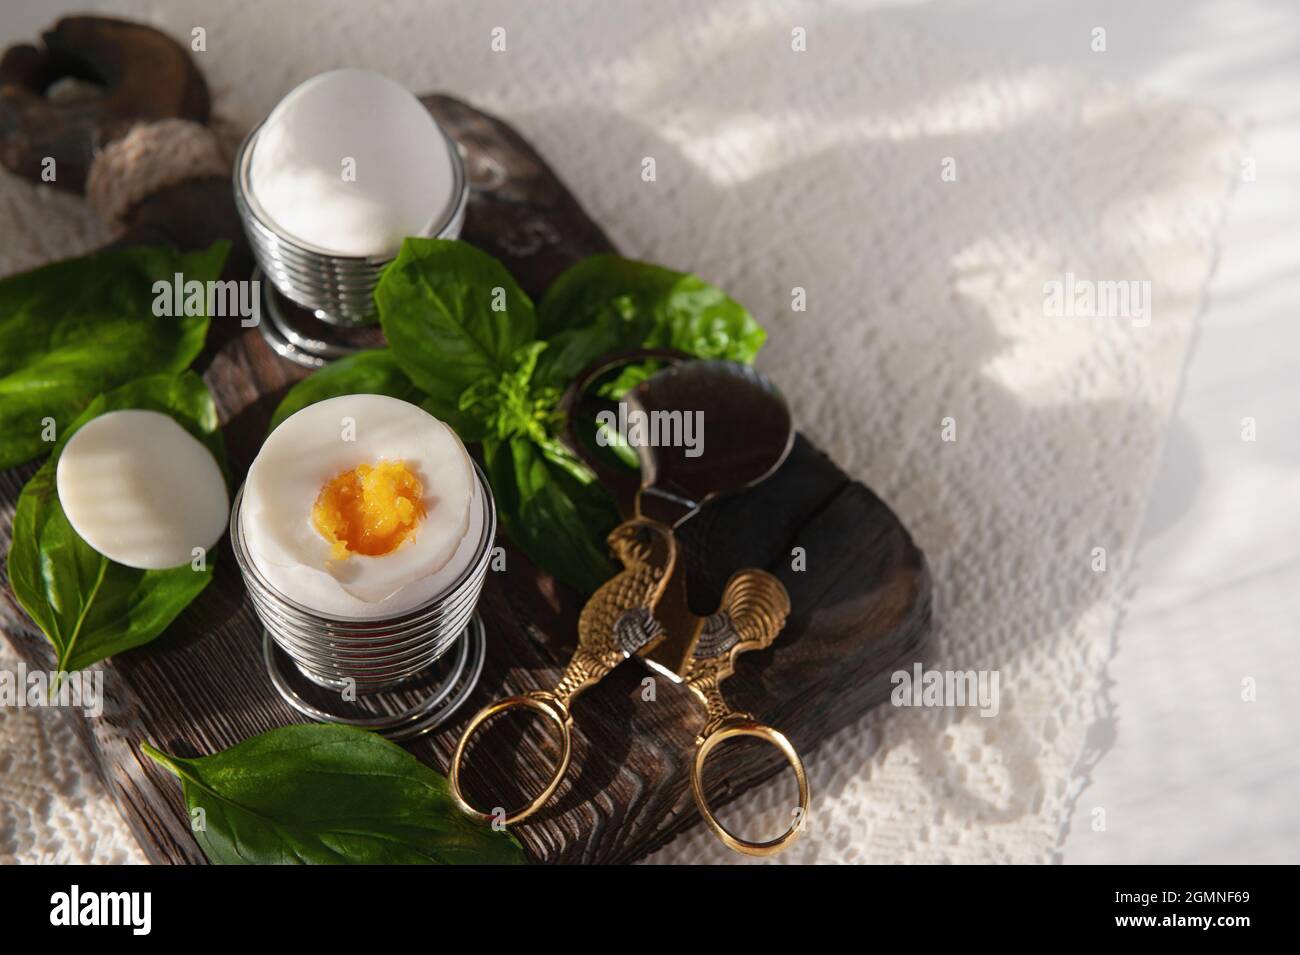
[[374, 656], [337, 290]]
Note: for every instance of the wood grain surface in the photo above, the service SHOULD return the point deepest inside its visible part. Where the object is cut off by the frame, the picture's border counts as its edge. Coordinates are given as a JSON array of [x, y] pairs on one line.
[[861, 609]]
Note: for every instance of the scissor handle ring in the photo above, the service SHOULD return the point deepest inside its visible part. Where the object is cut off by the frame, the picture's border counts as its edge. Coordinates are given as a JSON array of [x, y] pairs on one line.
[[550, 706], [745, 727]]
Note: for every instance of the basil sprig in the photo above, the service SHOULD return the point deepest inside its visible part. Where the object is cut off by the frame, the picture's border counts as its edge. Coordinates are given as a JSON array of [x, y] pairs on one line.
[[323, 794], [453, 317], [88, 606], [469, 346], [71, 330]]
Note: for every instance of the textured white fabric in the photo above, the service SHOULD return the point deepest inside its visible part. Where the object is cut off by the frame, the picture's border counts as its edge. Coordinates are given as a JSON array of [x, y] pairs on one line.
[[778, 169], [52, 805]]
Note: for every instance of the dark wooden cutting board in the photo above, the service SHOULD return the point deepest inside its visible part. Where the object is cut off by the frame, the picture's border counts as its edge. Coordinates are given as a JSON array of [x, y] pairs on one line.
[[861, 608]]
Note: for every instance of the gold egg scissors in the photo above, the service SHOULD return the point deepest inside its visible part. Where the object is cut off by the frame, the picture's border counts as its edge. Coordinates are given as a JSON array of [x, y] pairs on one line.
[[642, 610], [615, 623]]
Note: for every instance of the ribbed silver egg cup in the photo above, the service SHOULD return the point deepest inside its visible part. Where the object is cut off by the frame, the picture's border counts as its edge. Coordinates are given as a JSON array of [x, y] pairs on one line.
[[311, 297], [374, 658]]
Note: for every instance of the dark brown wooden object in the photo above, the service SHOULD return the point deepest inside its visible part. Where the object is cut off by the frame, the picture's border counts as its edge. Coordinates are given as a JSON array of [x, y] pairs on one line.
[[136, 74], [861, 608]]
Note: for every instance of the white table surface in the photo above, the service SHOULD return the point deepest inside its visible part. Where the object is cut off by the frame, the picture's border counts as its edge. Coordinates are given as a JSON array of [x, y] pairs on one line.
[[1189, 772]]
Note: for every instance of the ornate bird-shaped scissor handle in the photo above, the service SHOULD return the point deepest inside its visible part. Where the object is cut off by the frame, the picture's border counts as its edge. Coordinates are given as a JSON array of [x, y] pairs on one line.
[[753, 611], [617, 622]]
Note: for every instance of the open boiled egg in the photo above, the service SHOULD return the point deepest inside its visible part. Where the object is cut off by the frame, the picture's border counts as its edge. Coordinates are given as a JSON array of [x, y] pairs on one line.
[[361, 506], [141, 490]]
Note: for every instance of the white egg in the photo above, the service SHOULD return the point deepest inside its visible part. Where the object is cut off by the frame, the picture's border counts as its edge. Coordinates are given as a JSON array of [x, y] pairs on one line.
[[316, 445], [141, 490], [351, 163]]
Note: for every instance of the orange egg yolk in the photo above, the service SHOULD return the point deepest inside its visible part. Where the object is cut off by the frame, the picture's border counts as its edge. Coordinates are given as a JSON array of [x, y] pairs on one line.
[[369, 510]]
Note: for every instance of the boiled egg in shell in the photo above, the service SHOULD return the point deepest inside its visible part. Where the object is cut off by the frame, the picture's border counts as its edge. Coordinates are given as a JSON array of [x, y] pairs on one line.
[[359, 122], [361, 506], [141, 490]]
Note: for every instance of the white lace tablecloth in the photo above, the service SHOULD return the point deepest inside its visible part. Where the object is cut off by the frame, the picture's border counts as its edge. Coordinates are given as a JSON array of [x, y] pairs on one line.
[[822, 170]]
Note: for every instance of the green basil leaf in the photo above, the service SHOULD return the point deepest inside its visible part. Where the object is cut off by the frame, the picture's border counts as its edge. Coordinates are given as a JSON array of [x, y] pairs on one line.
[[320, 794], [71, 330], [553, 508], [453, 317], [569, 352], [610, 303], [373, 372], [88, 606]]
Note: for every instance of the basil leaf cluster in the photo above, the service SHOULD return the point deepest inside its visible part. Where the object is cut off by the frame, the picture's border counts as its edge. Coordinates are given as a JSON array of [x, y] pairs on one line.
[[88, 606], [327, 794], [470, 346], [73, 329]]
